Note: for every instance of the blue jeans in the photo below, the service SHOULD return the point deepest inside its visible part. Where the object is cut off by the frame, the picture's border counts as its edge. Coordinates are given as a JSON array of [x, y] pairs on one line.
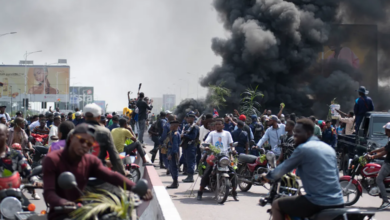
[[173, 167], [383, 173], [240, 150], [190, 157]]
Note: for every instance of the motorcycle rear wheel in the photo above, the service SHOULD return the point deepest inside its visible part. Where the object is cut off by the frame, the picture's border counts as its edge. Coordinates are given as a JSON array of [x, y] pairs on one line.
[[351, 188], [243, 186], [224, 188]]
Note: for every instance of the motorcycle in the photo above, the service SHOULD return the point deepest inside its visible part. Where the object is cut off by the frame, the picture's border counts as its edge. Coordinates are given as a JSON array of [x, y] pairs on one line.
[[133, 168], [13, 203], [67, 180], [359, 166], [327, 214], [221, 177], [251, 167]]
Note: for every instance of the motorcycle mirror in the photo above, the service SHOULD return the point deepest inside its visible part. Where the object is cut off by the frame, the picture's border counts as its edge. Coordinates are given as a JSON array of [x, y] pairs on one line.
[[141, 187], [66, 180], [235, 144], [36, 171]]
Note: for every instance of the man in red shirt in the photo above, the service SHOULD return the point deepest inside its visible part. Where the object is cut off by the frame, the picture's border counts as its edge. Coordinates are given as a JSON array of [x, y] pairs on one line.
[[76, 159]]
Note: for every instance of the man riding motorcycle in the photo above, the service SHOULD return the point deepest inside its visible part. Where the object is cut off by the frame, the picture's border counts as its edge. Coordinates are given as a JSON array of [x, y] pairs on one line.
[[75, 158], [316, 165]]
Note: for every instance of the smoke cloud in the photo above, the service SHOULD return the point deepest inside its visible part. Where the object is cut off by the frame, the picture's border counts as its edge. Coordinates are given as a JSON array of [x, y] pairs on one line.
[[275, 44]]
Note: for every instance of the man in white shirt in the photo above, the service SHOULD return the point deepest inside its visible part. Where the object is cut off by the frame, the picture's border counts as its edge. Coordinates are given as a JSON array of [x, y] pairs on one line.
[[220, 138], [272, 135], [37, 123], [348, 120], [4, 114], [54, 129], [223, 140]]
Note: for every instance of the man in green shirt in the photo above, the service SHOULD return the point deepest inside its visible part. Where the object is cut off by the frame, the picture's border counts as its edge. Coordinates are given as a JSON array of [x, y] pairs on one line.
[[121, 134], [317, 129]]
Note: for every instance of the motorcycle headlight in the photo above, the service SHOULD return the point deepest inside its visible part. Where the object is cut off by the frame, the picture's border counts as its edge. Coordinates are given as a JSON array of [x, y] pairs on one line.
[[9, 206], [224, 162], [270, 155]]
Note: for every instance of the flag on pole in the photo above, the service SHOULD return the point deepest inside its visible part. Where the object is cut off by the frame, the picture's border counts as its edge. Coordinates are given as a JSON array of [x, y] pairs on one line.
[[215, 113]]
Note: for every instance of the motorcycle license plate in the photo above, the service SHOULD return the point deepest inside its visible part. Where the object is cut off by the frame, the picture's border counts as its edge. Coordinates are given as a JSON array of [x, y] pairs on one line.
[[223, 169], [24, 215]]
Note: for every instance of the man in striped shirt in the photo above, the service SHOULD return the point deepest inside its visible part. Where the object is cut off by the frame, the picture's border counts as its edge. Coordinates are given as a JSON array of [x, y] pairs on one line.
[[287, 143]]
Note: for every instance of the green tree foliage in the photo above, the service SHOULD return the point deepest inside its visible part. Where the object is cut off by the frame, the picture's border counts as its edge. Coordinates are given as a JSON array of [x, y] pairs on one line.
[[249, 105], [218, 94]]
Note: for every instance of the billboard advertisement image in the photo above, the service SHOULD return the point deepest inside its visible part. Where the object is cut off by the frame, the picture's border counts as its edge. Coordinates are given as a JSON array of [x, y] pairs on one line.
[[39, 84], [80, 96]]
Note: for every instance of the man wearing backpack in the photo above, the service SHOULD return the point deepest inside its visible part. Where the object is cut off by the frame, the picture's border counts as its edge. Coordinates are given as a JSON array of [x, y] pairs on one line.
[[363, 104]]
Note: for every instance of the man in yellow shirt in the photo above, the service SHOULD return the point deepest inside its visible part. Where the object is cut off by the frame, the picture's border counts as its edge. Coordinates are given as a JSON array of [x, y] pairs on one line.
[[121, 134]]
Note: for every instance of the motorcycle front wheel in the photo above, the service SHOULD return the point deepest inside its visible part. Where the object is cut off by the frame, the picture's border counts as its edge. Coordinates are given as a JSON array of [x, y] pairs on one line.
[[243, 185], [347, 192], [135, 174], [224, 188]]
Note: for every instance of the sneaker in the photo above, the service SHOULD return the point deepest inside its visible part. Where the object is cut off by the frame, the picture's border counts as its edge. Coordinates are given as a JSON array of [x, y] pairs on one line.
[[384, 205], [35, 196]]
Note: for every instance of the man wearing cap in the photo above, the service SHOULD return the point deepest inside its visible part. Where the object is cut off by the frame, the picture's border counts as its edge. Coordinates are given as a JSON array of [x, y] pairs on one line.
[[190, 136], [4, 114], [173, 153], [273, 134], [246, 127], [78, 120], [54, 129], [76, 159], [115, 123], [385, 170], [109, 118], [363, 104], [103, 121], [92, 113], [163, 140], [229, 125]]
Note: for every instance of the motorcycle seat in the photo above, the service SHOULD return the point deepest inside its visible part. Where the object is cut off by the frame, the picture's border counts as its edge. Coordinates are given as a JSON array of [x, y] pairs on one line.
[[41, 149], [246, 158], [334, 213]]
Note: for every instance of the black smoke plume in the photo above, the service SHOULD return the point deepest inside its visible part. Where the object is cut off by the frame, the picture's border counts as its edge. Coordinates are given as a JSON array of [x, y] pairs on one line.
[[188, 105], [275, 44]]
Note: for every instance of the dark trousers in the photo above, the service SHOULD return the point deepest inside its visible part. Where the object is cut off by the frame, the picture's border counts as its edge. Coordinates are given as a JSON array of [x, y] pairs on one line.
[[190, 156], [155, 148], [173, 166], [135, 145], [164, 159], [198, 155]]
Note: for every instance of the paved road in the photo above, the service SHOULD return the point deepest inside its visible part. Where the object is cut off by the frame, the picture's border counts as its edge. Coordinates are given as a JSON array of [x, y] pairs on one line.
[[247, 208], [208, 209]]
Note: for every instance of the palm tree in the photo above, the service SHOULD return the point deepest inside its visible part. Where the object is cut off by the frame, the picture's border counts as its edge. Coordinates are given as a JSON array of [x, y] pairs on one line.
[[249, 105], [218, 93]]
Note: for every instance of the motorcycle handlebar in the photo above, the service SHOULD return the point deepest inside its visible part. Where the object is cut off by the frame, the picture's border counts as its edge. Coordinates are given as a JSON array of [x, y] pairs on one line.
[[65, 208]]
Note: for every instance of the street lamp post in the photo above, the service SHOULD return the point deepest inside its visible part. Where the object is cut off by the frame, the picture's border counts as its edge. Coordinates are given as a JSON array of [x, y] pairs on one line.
[[7, 33]]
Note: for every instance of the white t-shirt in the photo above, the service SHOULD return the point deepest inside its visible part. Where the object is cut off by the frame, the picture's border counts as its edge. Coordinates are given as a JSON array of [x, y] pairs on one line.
[[53, 132], [202, 133], [222, 140]]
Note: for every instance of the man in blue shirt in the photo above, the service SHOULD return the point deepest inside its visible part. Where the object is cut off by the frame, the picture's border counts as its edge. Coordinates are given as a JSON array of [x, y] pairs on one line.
[[115, 123], [190, 135], [241, 136], [228, 126], [173, 153], [363, 104], [316, 165], [329, 135]]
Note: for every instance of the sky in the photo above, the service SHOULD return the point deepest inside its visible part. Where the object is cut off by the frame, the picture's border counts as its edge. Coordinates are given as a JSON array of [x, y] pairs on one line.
[[115, 45]]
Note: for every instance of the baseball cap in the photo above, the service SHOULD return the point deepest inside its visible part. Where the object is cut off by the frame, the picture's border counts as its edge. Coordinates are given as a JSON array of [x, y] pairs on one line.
[[84, 128], [282, 115], [109, 116], [242, 117], [77, 114], [387, 126], [168, 112], [94, 109], [274, 118], [254, 116]]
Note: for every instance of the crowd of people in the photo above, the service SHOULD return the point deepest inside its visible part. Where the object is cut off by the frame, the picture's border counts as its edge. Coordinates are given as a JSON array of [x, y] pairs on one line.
[[306, 143], [81, 142]]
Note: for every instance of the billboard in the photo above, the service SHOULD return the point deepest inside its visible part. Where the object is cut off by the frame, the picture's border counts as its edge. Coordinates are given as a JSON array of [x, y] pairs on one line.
[[80, 96], [101, 104], [169, 101], [41, 83]]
